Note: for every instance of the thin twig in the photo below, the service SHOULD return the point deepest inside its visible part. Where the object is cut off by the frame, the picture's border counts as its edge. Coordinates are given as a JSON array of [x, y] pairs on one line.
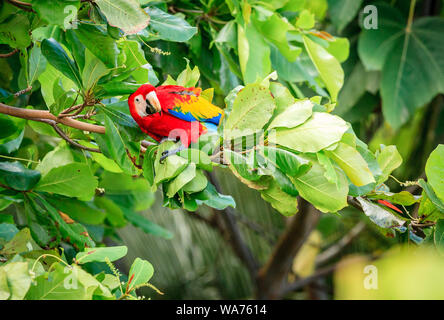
[[32, 114], [19, 93], [65, 137], [9, 54], [335, 249]]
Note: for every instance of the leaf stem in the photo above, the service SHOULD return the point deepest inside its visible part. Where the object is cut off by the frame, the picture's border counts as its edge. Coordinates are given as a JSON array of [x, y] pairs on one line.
[[411, 15]]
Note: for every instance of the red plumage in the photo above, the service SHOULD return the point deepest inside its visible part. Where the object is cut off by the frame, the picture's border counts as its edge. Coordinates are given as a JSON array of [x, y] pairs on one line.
[[164, 117]]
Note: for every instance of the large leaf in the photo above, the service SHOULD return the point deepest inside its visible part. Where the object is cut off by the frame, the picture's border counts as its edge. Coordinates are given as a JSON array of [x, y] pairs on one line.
[[72, 180], [275, 29], [254, 54], [124, 14], [181, 180], [293, 115], [323, 194], [280, 200], [317, 133], [388, 159], [353, 164], [18, 279], [56, 12], [16, 176], [328, 66], [94, 69], [58, 57], [140, 272], [343, 11], [169, 27], [61, 284], [252, 109], [37, 64], [99, 43], [379, 216], [288, 162], [401, 52], [101, 254], [118, 146], [435, 171]]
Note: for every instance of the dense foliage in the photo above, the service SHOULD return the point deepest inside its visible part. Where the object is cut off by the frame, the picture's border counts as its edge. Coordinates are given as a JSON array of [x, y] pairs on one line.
[[75, 167]]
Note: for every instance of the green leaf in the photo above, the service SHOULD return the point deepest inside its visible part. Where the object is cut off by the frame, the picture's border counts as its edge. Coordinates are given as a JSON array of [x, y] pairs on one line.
[[198, 183], [140, 272], [353, 164], [61, 284], [306, 20], [189, 77], [15, 31], [280, 200], [114, 213], [378, 215], [73, 232], [324, 195], [138, 66], [389, 159], [342, 12], [94, 70], [171, 167], [317, 133], [431, 195], [252, 109], [438, 236], [99, 43], [101, 254], [37, 64], [16, 176], [275, 29], [214, 199], [81, 211], [57, 157], [124, 14], [118, 146], [169, 27], [241, 165], [148, 164], [181, 180], [56, 12], [71, 180], [8, 231], [18, 279], [254, 54], [20, 243], [4, 288], [328, 66], [404, 198], [288, 162], [399, 53], [435, 171], [330, 170], [293, 115], [58, 58]]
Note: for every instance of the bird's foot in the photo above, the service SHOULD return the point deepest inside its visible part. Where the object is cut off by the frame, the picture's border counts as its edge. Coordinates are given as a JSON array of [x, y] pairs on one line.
[[168, 153]]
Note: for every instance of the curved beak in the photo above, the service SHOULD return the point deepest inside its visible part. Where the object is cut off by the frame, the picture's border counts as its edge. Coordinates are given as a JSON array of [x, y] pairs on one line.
[[153, 104]]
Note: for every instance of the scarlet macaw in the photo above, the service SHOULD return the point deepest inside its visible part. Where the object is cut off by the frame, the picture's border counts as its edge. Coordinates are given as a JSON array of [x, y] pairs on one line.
[[173, 112]]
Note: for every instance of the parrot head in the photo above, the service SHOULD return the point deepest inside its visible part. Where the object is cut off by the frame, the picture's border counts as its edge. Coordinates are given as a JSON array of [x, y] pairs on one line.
[[144, 102]]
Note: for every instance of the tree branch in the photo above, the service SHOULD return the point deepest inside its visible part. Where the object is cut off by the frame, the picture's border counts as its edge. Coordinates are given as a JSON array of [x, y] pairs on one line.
[[335, 249], [32, 114], [65, 137], [271, 278]]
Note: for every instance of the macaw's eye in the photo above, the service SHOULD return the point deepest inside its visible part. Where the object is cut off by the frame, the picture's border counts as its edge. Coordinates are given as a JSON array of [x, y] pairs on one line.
[[137, 99]]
